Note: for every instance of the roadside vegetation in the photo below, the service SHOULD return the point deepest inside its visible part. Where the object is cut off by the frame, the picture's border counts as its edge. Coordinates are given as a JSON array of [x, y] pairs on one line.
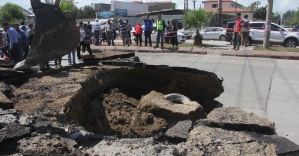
[[277, 49]]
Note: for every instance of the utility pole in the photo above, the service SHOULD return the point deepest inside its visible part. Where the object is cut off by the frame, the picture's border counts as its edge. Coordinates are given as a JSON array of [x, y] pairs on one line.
[[219, 13], [268, 24], [194, 4], [185, 4]]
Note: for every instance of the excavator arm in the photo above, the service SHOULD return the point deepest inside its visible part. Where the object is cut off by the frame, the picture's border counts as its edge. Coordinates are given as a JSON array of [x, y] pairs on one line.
[[54, 35]]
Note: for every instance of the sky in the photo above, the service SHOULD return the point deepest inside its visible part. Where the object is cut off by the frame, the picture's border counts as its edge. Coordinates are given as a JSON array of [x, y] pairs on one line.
[[280, 6]]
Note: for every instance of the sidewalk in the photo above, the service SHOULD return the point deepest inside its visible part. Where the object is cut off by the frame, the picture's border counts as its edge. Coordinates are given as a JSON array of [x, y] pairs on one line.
[[195, 50]]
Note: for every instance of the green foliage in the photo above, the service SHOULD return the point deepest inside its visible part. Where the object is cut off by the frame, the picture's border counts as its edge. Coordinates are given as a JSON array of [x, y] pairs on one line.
[[87, 12], [197, 18], [260, 13], [69, 9], [276, 17], [11, 13], [253, 6], [291, 18]]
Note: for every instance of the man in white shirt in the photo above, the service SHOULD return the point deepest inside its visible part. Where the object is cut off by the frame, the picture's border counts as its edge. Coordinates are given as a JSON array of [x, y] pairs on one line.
[[81, 40], [96, 31]]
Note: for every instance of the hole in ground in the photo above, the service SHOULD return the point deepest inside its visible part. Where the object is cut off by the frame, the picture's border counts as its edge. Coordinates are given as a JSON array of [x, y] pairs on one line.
[[131, 102]]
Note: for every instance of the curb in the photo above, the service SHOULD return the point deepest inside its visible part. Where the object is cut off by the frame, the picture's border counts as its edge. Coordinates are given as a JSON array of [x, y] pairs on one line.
[[263, 54], [184, 50]]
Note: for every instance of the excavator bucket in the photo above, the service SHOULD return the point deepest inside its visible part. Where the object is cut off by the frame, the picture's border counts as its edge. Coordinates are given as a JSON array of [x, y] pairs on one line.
[[54, 35]]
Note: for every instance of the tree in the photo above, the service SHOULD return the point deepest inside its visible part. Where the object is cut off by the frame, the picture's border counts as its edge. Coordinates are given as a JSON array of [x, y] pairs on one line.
[[11, 13], [69, 9], [260, 13], [88, 11], [253, 6], [288, 15], [196, 19], [293, 20]]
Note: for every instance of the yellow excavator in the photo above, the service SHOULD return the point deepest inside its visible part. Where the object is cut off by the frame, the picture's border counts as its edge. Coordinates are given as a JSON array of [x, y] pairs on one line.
[[54, 35]]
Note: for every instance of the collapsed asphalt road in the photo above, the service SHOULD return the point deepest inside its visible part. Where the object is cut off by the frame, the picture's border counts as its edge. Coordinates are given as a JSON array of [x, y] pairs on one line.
[[124, 109]]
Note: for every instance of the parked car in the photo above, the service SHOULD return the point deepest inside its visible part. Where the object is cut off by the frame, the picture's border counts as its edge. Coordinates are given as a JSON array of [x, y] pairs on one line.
[[296, 28], [181, 37], [278, 35], [212, 33], [187, 32], [287, 28]]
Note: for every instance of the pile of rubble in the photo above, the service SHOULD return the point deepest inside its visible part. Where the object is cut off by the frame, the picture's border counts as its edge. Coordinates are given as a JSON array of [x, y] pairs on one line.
[[85, 112]]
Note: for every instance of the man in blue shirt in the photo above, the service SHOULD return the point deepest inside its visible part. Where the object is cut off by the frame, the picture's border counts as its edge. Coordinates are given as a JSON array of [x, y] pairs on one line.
[[22, 40], [147, 29], [13, 41]]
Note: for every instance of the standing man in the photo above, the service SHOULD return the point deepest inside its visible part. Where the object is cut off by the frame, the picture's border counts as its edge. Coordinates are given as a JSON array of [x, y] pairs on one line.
[[237, 32], [13, 41], [96, 32], [109, 32], [160, 31], [173, 34], [22, 40], [245, 31], [147, 29], [123, 30], [129, 30], [81, 40]]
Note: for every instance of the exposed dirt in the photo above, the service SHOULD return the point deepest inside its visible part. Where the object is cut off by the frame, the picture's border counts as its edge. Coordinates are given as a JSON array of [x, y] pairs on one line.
[[125, 116]]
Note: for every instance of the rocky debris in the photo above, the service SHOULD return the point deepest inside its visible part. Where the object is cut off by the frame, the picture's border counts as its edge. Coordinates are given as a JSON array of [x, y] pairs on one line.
[[233, 118], [48, 144], [8, 118], [166, 109], [284, 147], [5, 103], [8, 73], [13, 132], [205, 140], [132, 147], [179, 132], [27, 120], [43, 127], [6, 89]]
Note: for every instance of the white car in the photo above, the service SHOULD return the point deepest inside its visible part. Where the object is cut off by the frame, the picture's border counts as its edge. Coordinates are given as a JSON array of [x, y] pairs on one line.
[[278, 35], [212, 33], [187, 32], [287, 28], [181, 37]]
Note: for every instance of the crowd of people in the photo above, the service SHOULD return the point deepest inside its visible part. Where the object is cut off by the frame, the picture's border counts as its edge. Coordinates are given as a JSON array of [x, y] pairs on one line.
[[16, 39], [109, 30]]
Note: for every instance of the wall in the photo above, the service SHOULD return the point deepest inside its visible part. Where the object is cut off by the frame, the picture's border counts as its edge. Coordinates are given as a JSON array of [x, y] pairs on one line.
[[132, 8]]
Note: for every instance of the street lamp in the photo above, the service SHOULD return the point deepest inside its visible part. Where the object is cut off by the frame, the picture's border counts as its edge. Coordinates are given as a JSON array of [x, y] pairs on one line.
[[194, 4]]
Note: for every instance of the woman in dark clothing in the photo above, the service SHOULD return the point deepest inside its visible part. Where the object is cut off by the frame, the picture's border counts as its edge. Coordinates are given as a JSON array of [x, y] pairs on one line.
[[86, 39], [173, 33]]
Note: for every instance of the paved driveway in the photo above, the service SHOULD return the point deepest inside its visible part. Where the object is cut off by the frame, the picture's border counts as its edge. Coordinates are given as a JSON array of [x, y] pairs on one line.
[[268, 87]]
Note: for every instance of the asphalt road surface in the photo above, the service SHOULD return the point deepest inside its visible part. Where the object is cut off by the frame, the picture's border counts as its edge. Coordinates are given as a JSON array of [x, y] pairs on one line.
[[267, 87]]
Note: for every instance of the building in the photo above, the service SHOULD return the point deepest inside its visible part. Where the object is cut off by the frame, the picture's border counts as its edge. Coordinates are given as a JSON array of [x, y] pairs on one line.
[[129, 7], [160, 5], [229, 10], [29, 16], [102, 7]]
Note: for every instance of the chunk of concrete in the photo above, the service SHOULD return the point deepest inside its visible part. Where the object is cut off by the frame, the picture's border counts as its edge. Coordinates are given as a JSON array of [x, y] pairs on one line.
[[233, 118], [8, 118], [179, 132], [204, 140], [131, 147], [164, 108], [284, 146], [6, 90], [48, 144], [13, 132]]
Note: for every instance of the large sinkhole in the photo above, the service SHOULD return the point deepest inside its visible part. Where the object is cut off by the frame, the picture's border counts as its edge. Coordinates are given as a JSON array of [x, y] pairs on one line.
[[144, 100]]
